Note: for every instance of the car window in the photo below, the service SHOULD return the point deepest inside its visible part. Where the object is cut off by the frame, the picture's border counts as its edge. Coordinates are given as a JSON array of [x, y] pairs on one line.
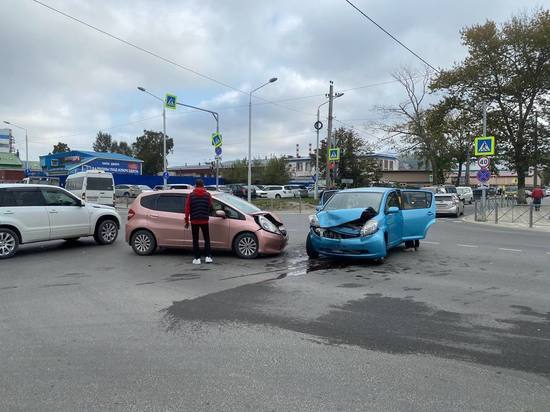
[[149, 202], [444, 198], [229, 211], [99, 183], [392, 201], [28, 197], [7, 198], [74, 184], [171, 203], [58, 198], [416, 200]]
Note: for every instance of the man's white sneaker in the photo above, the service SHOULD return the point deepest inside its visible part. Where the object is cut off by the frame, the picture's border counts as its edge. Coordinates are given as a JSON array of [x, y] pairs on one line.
[[196, 261], [208, 259]]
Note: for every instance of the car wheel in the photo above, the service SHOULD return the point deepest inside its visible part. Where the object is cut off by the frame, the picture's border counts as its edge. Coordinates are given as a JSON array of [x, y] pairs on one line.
[[409, 244], [143, 242], [277, 196], [9, 242], [312, 253], [416, 244], [246, 245], [126, 194], [106, 232], [457, 212]]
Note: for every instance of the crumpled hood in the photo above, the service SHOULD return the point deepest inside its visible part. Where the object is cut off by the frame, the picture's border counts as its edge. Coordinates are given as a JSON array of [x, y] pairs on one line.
[[331, 218]]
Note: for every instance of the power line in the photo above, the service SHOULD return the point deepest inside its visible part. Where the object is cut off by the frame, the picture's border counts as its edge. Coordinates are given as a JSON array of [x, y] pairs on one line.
[[391, 35]]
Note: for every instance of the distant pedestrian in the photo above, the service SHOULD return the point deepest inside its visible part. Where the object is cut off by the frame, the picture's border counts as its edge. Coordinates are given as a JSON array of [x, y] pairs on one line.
[[197, 210], [537, 196]]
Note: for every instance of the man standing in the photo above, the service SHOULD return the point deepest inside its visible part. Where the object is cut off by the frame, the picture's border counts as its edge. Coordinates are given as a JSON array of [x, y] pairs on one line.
[[197, 209], [537, 196]]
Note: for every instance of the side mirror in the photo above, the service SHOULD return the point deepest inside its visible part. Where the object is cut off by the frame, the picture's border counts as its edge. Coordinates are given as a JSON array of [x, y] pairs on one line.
[[81, 203], [221, 213], [318, 208], [393, 209]]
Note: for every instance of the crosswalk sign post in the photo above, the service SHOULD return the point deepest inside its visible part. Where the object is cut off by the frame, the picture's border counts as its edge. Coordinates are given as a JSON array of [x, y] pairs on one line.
[[484, 146], [170, 101], [334, 154]]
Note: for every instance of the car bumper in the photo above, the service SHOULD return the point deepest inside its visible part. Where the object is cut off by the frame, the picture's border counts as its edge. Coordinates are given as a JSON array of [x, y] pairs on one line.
[[271, 243], [369, 247], [446, 210]]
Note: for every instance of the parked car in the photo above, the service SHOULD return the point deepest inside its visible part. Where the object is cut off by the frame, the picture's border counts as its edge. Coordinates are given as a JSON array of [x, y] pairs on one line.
[[221, 188], [95, 186], [466, 194], [278, 192], [241, 190], [157, 220], [123, 190], [449, 204], [260, 192], [547, 191], [36, 213], [367, 222], [298, 190], [173, 186], [41, 180]]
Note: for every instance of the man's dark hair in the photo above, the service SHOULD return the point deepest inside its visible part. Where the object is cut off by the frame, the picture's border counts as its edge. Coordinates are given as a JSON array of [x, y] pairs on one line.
[[199, 183]]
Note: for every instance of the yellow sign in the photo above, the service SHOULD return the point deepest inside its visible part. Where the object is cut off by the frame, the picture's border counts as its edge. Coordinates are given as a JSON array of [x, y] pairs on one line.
[[484, 146]]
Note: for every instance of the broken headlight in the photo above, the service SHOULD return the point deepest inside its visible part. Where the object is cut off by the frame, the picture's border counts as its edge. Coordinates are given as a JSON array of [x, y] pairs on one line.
[[369, 228], [314, 224]]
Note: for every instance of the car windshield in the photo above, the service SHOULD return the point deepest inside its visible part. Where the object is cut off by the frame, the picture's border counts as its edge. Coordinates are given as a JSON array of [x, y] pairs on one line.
[[237, 203], [353, 200], [443, 198]]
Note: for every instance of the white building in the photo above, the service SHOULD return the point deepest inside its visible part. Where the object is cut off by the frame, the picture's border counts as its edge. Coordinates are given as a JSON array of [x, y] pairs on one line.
[[6, 141]]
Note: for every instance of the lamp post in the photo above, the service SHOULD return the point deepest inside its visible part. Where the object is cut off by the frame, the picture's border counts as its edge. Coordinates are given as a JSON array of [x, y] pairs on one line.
[[217, 118], [26, 144], [249, 189], [316, 192], [165, 180]]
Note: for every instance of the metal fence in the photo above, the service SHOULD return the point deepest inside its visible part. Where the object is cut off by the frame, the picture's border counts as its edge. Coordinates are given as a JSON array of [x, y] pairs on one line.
[[508, 211]]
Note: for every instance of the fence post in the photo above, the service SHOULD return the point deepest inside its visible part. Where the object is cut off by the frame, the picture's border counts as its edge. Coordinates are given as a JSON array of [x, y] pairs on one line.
[[496, 212], [475, 210], [300, 200], [531, 215]]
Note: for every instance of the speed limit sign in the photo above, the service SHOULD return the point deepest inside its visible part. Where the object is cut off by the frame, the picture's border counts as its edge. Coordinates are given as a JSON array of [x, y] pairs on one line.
[[483, 162]]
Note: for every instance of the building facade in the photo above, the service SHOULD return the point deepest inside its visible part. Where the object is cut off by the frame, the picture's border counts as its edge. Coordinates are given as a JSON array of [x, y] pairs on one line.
[[66, 163], [7, 143]]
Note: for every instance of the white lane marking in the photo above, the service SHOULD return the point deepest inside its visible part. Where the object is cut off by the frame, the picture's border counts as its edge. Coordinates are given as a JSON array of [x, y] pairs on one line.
[[510, 250], [461, 245], [430, 243]]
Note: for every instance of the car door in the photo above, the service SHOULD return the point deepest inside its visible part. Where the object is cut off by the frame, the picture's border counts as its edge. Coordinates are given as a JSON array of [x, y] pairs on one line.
[[24, 208], [68, 218], [394, 221], [219, 226], [418, 213], [168, 220]]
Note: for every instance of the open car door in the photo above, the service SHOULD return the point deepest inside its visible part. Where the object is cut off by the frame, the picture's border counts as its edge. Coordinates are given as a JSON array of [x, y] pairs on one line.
[[418, 213]]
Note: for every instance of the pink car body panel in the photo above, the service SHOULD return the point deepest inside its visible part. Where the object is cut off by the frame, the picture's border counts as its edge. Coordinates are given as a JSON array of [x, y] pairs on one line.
[[169, 228]]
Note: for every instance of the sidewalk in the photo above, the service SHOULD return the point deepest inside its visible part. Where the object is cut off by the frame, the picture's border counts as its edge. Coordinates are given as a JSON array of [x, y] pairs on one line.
[[523, 226]]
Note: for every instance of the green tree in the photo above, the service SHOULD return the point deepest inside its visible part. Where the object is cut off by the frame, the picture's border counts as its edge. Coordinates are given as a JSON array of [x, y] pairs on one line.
[[236, 172], [122, 148], [355, 162], [61, 147], [507, 67], [276, 171], [148, 147], [103, 142]]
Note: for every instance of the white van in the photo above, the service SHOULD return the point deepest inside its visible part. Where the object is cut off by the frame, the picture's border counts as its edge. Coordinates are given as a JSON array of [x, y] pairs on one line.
[[94, 186]]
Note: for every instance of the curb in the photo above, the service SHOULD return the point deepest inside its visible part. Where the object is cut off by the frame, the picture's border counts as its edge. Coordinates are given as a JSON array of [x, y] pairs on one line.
[[506, 225]]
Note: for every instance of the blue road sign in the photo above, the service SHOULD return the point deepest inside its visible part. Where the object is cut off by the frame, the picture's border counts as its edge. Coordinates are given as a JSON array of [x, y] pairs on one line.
[[484, 146], [218, 151], [314, 178], [217, 139], [28, 171], [483, 175], [170, 101], [165, 175]]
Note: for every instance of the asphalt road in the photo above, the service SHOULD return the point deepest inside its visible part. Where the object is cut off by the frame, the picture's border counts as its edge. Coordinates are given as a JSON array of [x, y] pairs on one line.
[[461, 324]]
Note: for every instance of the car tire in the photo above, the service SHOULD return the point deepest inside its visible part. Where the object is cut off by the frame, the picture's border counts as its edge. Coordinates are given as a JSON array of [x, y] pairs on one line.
[[277, 196], [143, 242], [246, 245], [416, 244], [9, 243], [311, 253], [106, 232]]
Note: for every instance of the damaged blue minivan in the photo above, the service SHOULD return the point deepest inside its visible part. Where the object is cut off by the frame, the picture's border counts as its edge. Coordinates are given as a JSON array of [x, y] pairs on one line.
[[367, 222]]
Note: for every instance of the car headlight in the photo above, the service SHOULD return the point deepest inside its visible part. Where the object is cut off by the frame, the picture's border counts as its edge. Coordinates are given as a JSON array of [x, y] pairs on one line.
[[313, 221], [267, 224], [369, 228]]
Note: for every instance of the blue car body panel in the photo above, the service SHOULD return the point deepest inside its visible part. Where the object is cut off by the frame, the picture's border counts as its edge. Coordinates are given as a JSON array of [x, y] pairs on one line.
[[415, 216]]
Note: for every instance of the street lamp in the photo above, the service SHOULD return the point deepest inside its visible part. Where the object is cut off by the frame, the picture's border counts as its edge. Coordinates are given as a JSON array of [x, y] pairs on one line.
[[165, 180], [26, 144], [316, 192], [272, 80]]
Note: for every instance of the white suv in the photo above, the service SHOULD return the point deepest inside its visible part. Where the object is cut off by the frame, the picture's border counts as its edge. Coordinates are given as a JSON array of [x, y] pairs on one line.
[[36, 213]]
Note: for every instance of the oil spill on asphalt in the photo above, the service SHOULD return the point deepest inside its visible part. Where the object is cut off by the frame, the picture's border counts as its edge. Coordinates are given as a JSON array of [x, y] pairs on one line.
[[8, 287], [74, 275], [145, 283], [407, 288], [53, 285], [380, 323], [351, 285], [183, 276]]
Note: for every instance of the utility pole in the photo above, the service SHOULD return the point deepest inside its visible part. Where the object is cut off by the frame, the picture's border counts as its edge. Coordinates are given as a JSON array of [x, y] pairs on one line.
[[329, 131], [165, 163], [467, 172], [535, 169], [483, 191]]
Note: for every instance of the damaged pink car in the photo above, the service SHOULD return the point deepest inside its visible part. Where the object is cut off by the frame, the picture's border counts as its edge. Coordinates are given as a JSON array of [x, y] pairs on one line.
[[157, 219]]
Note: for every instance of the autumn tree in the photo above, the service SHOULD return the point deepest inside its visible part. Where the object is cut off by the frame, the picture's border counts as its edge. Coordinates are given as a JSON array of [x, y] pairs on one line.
[[103, 142], [60, 147], [149, 148], [508, 68], [276, 171]]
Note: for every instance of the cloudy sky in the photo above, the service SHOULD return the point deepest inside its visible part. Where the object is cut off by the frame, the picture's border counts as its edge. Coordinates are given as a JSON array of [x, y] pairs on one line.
[[64, 81]]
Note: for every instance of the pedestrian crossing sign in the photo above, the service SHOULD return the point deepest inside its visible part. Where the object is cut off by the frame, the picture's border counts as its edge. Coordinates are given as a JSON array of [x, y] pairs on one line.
[[170, 101], [334, 154], [484, 146], [217, 140]]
